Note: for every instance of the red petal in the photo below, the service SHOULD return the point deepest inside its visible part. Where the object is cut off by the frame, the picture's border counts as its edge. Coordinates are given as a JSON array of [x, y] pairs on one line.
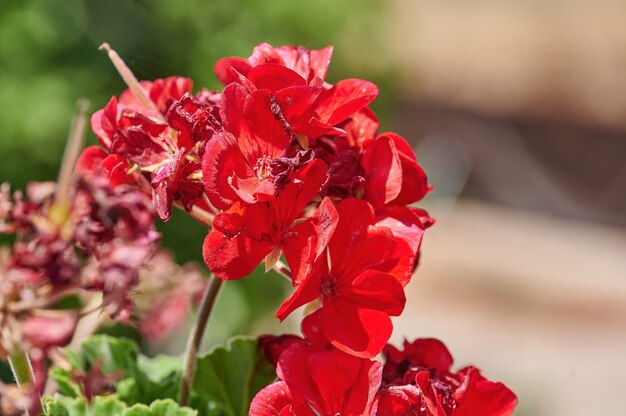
[[356, 331], [425, 352], [362, 127], [364, 390], [274, 345], [404, 223], [305, 185], [89, 160], [366, 249], [273, 400], [308, 291], [163, 92], [485, 398], [227, 70], [232, 101], [115, 168], [47, 331], [428, 394], [104, 123], [399, 400], [319, 62], [309, 240], [297, 106], [293, 370], [383, 170], [414, 180], [354, 215], [334, 374], [264, 53], [311, 327], [274, 77], [272, 134], [250, 189], [228, 252], [222, 160], [344, 99], [376, 290]]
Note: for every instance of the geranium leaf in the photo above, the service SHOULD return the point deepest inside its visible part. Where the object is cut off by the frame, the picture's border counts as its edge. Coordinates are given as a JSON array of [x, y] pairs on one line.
[[111, 406], [70, 406], [228, 377]]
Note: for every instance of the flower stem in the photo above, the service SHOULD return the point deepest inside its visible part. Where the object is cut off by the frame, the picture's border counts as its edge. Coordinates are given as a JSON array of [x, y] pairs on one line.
[[73, 147], [20, 367], [195, 337], [22, 370], [130, 80]]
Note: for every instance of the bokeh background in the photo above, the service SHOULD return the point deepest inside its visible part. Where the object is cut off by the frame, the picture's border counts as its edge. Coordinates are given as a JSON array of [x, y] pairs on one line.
[[516, 109]]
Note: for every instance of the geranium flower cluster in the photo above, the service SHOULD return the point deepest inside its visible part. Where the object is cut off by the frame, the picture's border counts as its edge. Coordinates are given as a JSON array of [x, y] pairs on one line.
[[93, 238], [98, 238], [283, 163], [288, 164], [417, 381]]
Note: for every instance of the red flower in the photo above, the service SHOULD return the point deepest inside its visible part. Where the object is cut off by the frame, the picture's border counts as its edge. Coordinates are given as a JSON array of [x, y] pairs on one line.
[[163, 92], [167, 144], [295, 77], [393, 176], [406, 223], [418, 381], [243, 163], [314, 382], [309, 64], [360, 285], [96, 162], [242, 236], [380, 168]]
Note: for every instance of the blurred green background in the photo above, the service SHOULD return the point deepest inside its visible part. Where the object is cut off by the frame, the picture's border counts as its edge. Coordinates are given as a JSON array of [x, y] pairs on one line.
[[49, 59]]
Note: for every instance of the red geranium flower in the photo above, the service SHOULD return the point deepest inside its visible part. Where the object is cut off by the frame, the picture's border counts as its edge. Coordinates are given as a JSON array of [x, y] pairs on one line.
[[360, 283], [243, 164], [295, 77], [314, 382], [94, 161], [384, 165], [309, 64], [418, 381], [166, 140], [242, 236]]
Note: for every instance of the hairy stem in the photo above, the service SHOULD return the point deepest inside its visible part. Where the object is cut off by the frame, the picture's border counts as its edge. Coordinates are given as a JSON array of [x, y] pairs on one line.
[[199, 214], [129, 78], [197, 333], [75, 140], [22, 370]]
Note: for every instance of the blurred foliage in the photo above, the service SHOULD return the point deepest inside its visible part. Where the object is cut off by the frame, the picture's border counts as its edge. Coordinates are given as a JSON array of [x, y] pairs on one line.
[[226, 378], [49, 59]]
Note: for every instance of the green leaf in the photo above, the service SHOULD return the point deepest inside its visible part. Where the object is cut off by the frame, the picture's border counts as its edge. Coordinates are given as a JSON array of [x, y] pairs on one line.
[[70, 406], [229, 377], [160, 408], [111, 406], [151, 379], [145, 379], [114, 353]]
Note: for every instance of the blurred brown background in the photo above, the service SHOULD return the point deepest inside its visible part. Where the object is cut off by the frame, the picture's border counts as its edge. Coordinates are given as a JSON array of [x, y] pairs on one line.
[[518, 111]]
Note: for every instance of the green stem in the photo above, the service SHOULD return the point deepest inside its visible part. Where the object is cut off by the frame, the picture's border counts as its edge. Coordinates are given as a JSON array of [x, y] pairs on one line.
[[21, 368], [195, 337]]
